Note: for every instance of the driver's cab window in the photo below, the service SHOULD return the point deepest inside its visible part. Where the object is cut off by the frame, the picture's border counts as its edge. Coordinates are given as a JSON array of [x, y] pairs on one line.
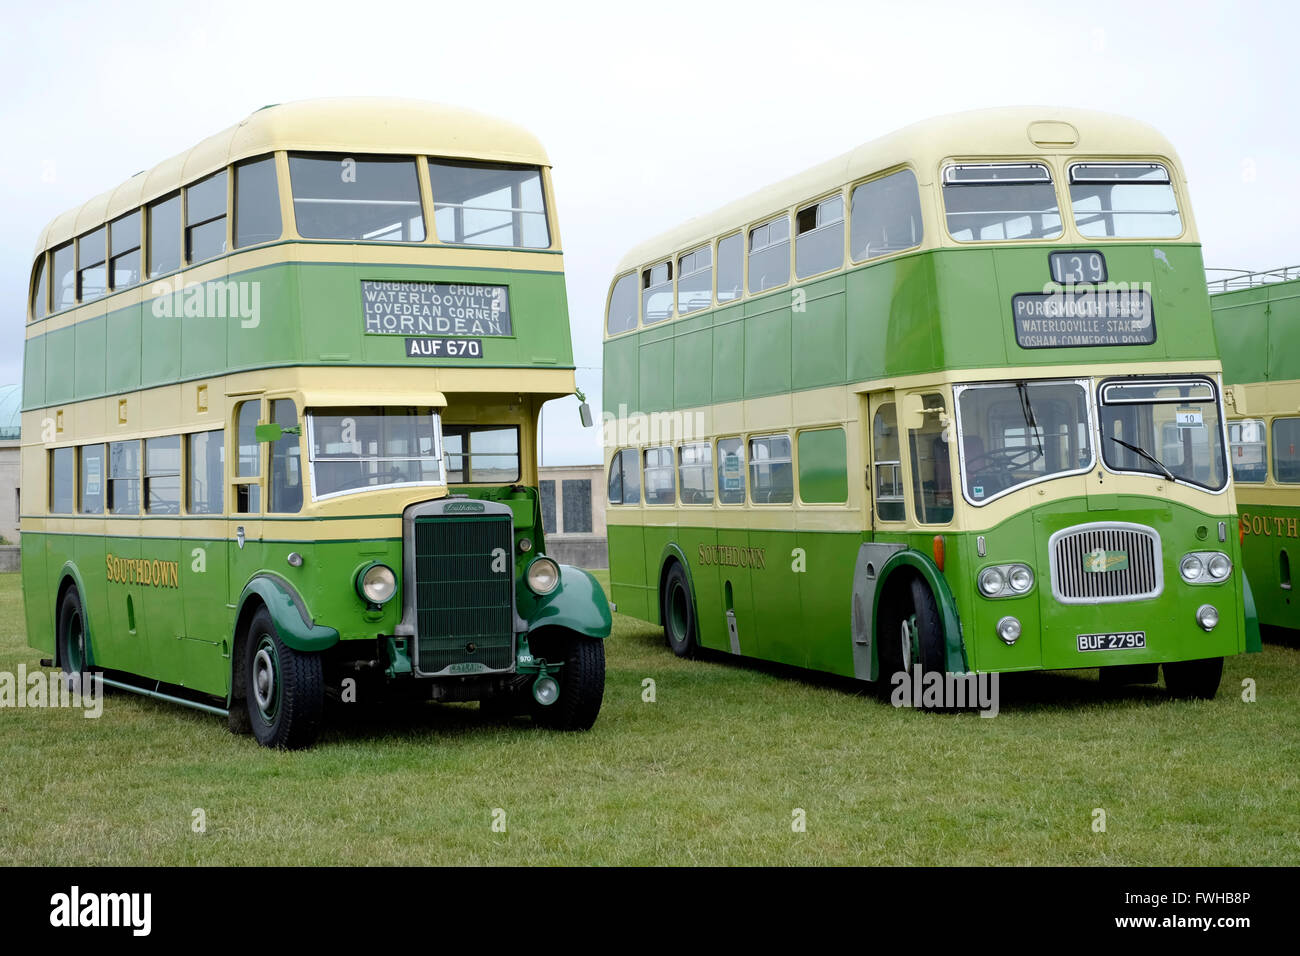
[[931, 469], [286, 461], [888, 467]]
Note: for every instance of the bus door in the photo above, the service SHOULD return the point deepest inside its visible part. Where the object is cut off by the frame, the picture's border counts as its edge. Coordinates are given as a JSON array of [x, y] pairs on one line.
[[735, 583], [203, 563], [246, 506], [885, 518]]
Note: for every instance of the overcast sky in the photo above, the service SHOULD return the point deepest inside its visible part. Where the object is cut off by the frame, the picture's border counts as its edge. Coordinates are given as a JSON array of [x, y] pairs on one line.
[[651, 113]]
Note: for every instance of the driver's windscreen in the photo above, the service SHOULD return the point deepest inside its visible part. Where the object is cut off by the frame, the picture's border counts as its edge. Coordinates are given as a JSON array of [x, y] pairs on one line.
[[1157, 426], [1016, 433]]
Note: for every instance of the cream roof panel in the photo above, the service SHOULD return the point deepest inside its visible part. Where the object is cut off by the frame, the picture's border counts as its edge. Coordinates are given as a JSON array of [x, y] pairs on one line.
[[923, 145], [357, 125]]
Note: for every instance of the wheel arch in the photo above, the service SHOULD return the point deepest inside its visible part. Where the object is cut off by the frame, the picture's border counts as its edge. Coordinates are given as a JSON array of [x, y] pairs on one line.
[[672, 554], [898, 570], [288, 611]]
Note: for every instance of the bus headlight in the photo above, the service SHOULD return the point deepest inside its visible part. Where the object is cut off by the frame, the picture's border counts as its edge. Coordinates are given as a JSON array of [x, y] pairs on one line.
[[543, 575], [1207, 615], [1191, 568], [1006, 580], [1009, 630], [1021, 578], [376, 584], [546, 690], [1205, 567], [992, 582]]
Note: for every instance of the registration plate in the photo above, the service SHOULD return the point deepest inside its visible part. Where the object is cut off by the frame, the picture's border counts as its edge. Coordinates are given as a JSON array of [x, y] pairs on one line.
[[1121, 641]]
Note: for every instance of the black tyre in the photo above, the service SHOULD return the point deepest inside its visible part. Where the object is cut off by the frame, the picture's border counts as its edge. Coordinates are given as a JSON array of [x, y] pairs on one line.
[[909, 632], [1194, 680], [72, 640], [581, 679], [284, 688], [678, 612]]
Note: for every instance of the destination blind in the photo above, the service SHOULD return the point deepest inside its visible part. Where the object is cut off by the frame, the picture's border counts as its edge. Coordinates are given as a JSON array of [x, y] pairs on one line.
[[1076, 318]]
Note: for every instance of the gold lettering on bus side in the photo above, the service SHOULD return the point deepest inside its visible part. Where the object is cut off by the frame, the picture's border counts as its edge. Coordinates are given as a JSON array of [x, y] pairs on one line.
[[729, 556], [151, 572], [1293, 527]]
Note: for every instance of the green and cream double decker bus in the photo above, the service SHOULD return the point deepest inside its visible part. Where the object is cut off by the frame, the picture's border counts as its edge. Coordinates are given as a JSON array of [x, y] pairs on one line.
[[1257, 322], [281, 393], [948, 401]]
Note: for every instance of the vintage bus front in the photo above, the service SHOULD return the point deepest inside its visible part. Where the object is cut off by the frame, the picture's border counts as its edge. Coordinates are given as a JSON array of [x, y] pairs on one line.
[[1085, 434]]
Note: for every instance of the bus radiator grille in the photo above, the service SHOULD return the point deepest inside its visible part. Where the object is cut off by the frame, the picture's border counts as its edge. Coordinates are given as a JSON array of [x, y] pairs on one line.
[[1104, 563], [464, 609]]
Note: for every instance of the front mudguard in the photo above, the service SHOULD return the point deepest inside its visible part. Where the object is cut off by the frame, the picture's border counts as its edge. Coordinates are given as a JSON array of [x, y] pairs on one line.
[[289, 614], [578, 604], [954, 642]]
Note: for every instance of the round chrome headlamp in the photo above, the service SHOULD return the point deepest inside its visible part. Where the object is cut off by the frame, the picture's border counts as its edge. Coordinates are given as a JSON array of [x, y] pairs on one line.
[[377, 584], [1219, 566], [1021, 579], [543, 575], [1207, 615], [1191, 568], [991, 582]]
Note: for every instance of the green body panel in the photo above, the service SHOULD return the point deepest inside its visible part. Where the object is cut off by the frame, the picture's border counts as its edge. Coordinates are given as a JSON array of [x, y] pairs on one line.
[[125, 348], [1271, 542], [287, 613], [804, 618], [1254, 638], [947, 308], [1258, 330]]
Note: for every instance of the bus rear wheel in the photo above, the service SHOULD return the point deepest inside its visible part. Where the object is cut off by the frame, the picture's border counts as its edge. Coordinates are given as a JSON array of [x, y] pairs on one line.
[[1194, 680], [72, 641], [285, 689], [581, 679], [678, 613]]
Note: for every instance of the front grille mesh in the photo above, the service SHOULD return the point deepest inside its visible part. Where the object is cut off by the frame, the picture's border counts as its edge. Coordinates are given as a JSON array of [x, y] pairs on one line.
[[464, 609], [1141, 579]]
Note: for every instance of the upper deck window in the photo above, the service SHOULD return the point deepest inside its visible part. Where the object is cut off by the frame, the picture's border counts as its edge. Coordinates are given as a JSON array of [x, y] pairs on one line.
[[64, 277], [482, 204], [40, 291], [205, 218], [622, 306], [731, 267], [124, 250], [988, 202], [374, 199], [257, 203], [657, 293], [92, 277], [1124, 201], [695, 280], [769, 255], [819, 241], [886, 216]]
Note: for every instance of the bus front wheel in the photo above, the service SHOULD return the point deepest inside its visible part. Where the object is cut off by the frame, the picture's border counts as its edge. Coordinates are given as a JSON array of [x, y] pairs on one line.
[[1194, 680], [678, 612], [909, 631], [581, 679], [285, 689]]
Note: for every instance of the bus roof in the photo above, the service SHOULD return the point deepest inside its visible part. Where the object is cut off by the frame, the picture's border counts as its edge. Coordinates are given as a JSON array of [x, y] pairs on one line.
[[1023, 131], [353, 124]]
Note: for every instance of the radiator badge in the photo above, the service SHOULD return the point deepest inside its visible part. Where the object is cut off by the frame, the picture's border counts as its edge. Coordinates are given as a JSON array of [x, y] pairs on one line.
[[1095, 562]]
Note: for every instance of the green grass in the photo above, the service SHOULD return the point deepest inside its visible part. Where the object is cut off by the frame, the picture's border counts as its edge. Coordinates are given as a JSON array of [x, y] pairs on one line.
[[708, 774]]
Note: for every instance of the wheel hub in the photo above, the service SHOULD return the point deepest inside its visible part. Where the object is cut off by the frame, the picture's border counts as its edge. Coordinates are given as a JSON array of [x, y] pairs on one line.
[[265, 689]]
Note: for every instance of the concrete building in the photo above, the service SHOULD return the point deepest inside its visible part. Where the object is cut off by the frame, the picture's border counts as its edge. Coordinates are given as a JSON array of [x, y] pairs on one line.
[[573, 514], [11, 400]]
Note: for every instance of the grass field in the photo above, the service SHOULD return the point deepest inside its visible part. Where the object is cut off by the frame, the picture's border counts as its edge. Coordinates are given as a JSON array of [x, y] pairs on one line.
[[710, 773]]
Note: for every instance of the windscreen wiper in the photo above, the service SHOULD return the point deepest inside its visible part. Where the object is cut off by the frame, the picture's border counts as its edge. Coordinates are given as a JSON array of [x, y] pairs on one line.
[[1147, 455]]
